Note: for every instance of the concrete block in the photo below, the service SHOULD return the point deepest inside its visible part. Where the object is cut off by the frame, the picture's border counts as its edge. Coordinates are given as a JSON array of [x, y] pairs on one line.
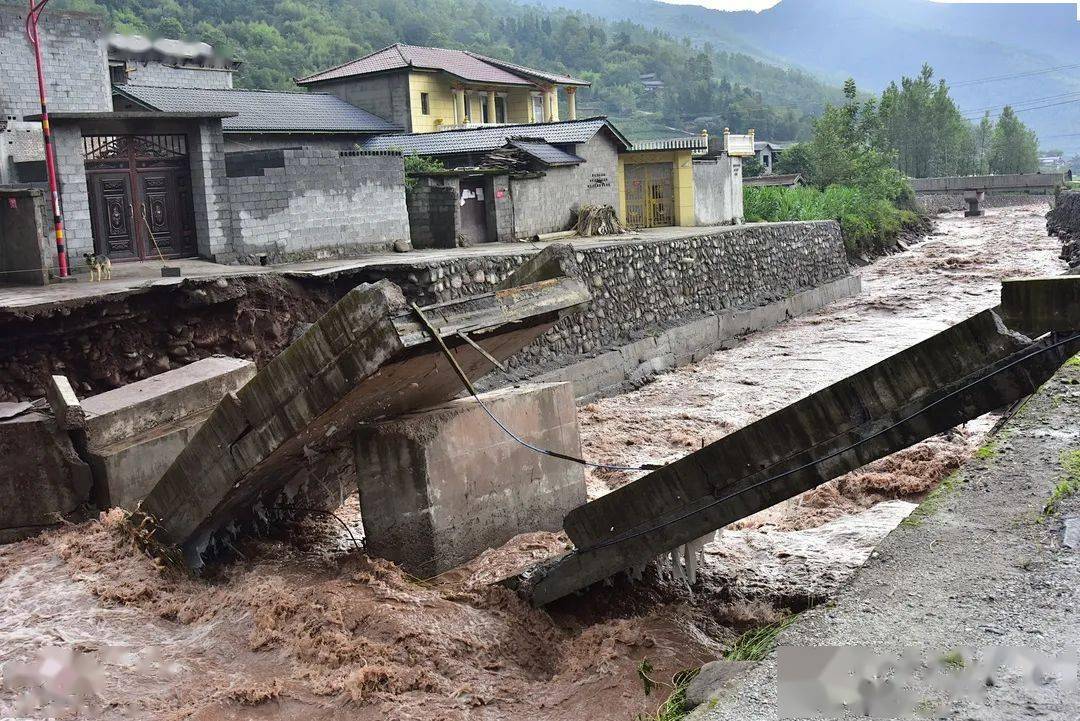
[[43, 478], [134, 433], [122, 413], [65, 405], [440, 486]]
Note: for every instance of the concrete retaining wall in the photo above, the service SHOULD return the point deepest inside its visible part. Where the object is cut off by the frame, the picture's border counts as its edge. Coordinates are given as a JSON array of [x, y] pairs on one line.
[[311, 203]]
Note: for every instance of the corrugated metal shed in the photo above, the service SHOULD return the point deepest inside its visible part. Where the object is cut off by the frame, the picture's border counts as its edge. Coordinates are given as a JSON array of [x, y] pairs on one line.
[[262, 111]]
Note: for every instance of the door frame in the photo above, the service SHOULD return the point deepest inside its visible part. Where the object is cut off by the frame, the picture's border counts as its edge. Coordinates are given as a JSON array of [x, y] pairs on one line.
[[137, 156]]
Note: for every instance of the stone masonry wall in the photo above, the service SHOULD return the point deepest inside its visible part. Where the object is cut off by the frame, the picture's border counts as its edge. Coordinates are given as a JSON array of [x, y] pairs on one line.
[[642, 286], [309, 203], [76, 65]]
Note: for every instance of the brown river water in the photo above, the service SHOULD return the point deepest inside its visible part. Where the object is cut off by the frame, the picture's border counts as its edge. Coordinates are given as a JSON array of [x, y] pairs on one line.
[[303, 626]]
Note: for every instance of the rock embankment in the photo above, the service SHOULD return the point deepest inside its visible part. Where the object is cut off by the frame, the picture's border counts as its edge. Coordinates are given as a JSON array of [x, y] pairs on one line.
[[1064, 222]]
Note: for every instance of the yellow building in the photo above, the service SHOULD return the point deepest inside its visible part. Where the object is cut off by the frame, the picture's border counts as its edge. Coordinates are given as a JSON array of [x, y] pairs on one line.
[[423, 89]]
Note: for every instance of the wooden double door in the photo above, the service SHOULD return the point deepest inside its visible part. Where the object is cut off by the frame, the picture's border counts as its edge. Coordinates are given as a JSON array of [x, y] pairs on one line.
[[140, 196]]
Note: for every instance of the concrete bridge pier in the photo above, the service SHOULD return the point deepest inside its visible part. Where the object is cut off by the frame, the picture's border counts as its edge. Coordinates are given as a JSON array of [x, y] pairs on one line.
[[973, 198]]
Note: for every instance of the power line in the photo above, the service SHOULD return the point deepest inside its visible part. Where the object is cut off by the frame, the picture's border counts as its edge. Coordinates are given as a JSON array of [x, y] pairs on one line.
[[1019, 103], [1035, 107], [1012, 76]]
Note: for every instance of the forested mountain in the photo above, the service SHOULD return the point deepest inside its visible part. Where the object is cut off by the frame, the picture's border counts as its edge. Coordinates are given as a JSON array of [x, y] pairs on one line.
[[704, 87], [991, 55]]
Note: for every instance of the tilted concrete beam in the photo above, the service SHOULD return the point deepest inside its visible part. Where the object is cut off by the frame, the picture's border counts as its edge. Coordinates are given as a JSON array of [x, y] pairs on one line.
[[902, 400]]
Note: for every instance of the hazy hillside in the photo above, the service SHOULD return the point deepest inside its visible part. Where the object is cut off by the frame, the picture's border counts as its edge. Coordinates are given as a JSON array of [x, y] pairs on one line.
[[278, 41], [876, 41]]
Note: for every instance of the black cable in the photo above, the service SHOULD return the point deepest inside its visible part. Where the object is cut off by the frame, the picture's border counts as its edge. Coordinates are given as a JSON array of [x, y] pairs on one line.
[[637, 534], [476, 396]]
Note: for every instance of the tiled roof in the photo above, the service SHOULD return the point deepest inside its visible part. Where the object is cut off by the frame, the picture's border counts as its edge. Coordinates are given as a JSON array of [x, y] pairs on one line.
[[484, 138], [543, 75], [262, 111], [465, 65], [546, 153]]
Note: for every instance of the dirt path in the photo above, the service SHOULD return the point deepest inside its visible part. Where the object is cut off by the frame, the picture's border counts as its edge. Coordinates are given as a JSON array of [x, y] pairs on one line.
[[303, 629]]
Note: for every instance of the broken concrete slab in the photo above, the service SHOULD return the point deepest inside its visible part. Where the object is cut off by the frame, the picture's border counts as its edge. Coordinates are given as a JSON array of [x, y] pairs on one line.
[[134, 433], [440, 486], [367, 358], [43, 480], [1039, 305], [65, 406], [954, 376]]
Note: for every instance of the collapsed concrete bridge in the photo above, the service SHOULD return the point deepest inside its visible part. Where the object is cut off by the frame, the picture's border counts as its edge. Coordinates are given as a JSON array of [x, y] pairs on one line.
[[983, 363]]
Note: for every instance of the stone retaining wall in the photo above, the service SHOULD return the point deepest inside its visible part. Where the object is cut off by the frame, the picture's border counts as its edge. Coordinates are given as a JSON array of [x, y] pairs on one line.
[[643, 287]]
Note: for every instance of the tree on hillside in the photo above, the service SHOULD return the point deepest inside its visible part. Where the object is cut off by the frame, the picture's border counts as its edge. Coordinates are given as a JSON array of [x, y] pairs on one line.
[[795, 159], [1013, 148], [848, 148], [925, 128], [984, 134]]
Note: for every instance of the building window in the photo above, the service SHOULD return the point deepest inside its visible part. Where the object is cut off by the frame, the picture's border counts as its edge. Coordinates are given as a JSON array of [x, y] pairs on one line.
[[538, 109], [118, 74], [500, 108], [425, 104]]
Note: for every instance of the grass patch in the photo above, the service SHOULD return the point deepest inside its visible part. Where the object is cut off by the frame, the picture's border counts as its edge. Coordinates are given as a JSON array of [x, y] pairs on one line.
[[757, 643], [953, 659], [987, 451], [1073, 362], [932, 502], [672, 708], [1069, 486]]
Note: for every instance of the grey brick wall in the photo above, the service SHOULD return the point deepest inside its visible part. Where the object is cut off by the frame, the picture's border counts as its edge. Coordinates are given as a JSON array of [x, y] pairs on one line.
[[320, 204], [386, 96], [434, 213], [79, 234], [172, 76], [76, 65], [210, 188], [545, 204]]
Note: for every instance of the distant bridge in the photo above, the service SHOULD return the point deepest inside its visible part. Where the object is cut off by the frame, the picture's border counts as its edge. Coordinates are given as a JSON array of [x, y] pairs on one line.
[[975, 187]]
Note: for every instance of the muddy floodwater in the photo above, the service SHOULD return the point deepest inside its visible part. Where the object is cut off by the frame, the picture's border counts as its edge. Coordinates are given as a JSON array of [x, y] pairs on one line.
[[302, 625]]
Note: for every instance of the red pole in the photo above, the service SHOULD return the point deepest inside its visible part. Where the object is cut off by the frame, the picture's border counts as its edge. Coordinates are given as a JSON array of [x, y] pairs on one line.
[[50, 156]]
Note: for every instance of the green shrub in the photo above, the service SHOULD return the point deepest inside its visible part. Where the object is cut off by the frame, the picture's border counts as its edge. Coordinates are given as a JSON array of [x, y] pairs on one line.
[[867, 222]]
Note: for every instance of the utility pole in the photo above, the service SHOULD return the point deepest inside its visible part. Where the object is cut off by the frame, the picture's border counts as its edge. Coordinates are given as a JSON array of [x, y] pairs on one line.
[[36, 8]]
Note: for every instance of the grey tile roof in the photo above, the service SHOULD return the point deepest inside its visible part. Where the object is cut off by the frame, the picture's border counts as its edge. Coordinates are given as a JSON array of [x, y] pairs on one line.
[[262, 111], [546, 153], [484, 138], [465, 65]]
